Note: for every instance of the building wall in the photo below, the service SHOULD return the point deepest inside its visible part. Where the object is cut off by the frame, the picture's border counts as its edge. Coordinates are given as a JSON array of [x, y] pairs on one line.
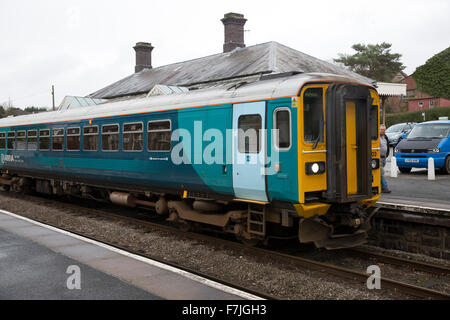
[[425, 103]]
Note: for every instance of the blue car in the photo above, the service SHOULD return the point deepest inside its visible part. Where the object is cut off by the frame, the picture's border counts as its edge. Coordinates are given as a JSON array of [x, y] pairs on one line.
[[426, 140]]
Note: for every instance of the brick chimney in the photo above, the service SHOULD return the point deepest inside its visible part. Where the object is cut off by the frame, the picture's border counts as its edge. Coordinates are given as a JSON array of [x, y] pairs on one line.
[[234, 31], [143, 56]]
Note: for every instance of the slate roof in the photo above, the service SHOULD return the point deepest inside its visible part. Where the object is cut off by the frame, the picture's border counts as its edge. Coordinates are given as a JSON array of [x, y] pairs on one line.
[[260, 59]]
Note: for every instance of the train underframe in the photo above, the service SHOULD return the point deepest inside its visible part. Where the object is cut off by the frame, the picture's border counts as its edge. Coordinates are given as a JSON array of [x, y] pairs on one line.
[[344, 225]]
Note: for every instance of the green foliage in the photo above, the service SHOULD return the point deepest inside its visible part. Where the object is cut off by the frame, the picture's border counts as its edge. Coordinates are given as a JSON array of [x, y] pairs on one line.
[[373, 61], [433, 77], [416, 116], [35, 110]]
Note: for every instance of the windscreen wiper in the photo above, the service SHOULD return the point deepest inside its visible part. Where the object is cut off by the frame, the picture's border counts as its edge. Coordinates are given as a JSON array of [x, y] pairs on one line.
[[319, 137]]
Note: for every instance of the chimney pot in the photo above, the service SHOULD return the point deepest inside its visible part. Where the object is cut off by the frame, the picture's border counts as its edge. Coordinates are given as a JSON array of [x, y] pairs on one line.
[[143, 56], [234, 31]]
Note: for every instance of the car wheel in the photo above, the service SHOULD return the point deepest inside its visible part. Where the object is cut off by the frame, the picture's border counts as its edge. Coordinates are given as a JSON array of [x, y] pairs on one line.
[[404, 170], [446, 168]]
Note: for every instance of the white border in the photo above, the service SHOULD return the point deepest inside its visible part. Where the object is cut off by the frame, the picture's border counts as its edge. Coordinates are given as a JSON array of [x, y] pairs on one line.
[[157, 264]]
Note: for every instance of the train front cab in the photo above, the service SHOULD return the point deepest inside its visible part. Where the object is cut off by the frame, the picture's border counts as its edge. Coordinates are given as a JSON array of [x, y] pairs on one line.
[[338, 163]]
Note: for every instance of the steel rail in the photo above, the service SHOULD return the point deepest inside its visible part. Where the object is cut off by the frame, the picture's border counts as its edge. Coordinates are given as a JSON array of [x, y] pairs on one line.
[[417, 265], [342, 272]]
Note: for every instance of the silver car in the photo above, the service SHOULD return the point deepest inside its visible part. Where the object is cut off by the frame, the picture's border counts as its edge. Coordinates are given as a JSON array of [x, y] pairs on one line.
[[395, 132]]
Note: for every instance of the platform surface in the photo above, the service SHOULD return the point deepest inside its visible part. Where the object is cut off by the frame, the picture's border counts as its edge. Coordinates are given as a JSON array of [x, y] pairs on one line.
[[34, 260], [415, 189]]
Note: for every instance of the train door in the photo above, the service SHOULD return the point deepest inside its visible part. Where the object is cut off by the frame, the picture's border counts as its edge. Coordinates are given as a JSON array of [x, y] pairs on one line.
[[249, 150], [352, 147]]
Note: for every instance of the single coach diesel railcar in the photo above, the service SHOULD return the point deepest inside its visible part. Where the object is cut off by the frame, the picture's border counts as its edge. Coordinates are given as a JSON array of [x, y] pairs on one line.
[[285, 156]]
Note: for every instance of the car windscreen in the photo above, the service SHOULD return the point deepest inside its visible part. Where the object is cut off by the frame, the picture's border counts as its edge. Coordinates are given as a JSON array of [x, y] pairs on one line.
[[395, 128], [430, 131]]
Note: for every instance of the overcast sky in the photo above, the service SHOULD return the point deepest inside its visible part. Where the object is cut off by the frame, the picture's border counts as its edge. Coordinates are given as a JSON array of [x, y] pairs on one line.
[[83, 46]]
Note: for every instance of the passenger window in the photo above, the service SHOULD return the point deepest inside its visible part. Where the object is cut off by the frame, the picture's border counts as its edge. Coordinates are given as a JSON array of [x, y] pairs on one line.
[[90, 138], [58, 139], [32, 140], [73, 139], [132, 137], [249, 133], [374, 122], [2, 140], [44, 139], [313, 115], [21, 141], [10, 139], [110, 137], [282, 123], [159, 135]]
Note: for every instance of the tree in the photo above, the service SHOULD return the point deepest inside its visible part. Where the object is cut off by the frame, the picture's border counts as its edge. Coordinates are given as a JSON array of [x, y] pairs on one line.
[[373, 61], [433, 77], [35, 109]]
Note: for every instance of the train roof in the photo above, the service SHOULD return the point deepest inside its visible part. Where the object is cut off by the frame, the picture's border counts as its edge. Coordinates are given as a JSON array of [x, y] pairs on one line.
[[258, 90]]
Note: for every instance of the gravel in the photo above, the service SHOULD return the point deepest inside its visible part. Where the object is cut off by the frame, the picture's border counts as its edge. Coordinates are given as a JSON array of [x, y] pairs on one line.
[[278, 279]]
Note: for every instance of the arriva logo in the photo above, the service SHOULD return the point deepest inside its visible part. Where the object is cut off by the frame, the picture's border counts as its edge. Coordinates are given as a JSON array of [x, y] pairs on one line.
[[7, 157]]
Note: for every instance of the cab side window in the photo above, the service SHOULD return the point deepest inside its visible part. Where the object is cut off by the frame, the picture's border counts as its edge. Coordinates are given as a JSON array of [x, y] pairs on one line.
[[282, 126]]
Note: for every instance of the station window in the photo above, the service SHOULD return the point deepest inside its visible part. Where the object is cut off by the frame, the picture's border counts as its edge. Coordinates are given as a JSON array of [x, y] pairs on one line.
[[10, 139], [132, 136], [21, 141], [90, 138], [110, 137], [32, 140], [159, 135], [249, 133], [374, 122], [2, 140], [313, 115], [58, 139], [282, 124], [44, 139], [73, 139]]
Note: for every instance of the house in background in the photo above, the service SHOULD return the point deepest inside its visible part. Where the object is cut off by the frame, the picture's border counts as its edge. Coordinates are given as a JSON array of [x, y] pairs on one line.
[[418, 100]]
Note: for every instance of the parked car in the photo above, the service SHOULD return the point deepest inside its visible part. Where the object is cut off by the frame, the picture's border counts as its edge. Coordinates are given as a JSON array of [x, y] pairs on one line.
[[395, 132], [426, 140]]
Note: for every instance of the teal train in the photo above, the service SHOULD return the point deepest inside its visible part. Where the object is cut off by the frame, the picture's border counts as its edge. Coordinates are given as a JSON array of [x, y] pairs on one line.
[[287, 156]]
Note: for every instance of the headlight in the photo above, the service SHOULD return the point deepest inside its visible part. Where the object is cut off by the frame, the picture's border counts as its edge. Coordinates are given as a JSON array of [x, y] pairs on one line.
[[396, 150], [315, 167], [435, 150], [375, 164]]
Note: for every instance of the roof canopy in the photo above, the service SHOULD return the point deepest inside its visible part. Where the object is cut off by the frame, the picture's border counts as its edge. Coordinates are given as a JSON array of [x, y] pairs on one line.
[[391, 89]]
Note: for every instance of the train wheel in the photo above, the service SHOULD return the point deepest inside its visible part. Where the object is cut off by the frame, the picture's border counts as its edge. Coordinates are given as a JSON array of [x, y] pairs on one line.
[[248, 242]]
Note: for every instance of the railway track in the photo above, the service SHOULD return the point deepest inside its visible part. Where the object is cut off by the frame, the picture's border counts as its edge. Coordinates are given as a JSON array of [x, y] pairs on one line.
[[128, 216]]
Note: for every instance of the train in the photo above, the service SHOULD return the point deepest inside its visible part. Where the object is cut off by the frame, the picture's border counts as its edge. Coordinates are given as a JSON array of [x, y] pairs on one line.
[[287, 156]]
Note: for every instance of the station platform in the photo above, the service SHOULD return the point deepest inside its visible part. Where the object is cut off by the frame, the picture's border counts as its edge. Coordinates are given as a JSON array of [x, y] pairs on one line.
[[45, 263], [414, 190]]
